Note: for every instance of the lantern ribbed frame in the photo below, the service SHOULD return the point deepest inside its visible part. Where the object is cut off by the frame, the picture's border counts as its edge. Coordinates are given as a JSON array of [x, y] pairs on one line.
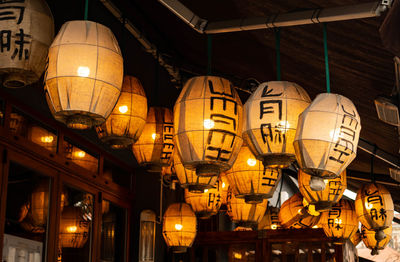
[[225, 187], [126, 122], [368, 238], [40, 203], [271, 115], [71, 217], [270, 219], [208, 125], [356, 238], [84, 74], [180, 214]]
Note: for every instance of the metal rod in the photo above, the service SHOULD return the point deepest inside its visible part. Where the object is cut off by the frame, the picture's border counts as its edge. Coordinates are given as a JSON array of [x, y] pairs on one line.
[[86, 10], [378, 153]]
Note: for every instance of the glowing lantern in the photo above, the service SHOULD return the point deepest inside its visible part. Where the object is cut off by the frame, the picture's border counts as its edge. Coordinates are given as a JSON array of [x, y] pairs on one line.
[[28, 32], [225, 187], [126, 122], [40, 203], [84, 74], [369, 240], [155, 146], [271, 118], [249, 179], [270, 219], [327, 137], [322, 200], [43, 137], [356, 238], [74, 230], [179, 227], [208, 125], [80, 157], [374, 208]]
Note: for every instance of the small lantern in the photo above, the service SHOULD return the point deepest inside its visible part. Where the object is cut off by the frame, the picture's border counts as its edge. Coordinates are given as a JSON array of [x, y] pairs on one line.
[[40, 203], [250, 180], [271, 118], [208, 125], [327, 137], [270, 219], [147, 236], [84, 74], [155, 146], [322, 200], [356, 238], [369, 240], [126, 122], [74, 229], [27, 30], [374, 208], [179, 227], [225, 187], [340, 222]]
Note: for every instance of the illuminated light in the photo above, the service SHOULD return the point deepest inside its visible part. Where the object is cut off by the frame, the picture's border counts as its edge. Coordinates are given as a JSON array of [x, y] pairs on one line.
[[205, 190], [223, 184], [80, 154], [123, 109], [273, 227], [72, 229], [350, 194], [83, 71], [316, 226], [326, 181], [178, 226], [237, 255], [251, 162], [154, 136], [335, 134], [368, 205], [47, 139], [208, 123], [299, 211], [282, 126]]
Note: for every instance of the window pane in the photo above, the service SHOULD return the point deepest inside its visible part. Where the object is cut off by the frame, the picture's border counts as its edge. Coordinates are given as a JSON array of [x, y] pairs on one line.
[[80, 157]]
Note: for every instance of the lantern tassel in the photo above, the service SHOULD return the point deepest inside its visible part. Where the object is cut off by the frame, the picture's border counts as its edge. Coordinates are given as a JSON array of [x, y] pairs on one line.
[[328, 84], [86, 10], [278, 53]]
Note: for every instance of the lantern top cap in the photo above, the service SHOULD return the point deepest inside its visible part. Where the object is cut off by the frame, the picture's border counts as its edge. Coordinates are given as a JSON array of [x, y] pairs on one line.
[[179, 208], [148, 215], [133, 85]]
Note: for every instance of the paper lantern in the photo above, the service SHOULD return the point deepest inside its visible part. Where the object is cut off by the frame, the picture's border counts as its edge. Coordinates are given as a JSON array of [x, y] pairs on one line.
[[356, 238], [245, 215], [208, 125], [250, 180], [155, 146], [40, 203], [179, 227], [126, 122], [270, 219], [27, 30], [225, 187], [294, 215], [340, 222], [271, 115], [327, 137], [322, 200], [369, 240], [84, 74], [74, 229], [374, 208]]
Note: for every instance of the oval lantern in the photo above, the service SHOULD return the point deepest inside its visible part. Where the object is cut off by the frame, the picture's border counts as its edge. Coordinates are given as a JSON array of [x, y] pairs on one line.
[[327, 137], [293, 214], [74, 230], [369, 240], [208, 125], [322, 200], [27, 30], [155, 146], [374, 208], [179, 227], [340, 222], [40, 203], [356, 238], [270, 219], [250, 180], [271, 115], [84, 74], [126, 122]]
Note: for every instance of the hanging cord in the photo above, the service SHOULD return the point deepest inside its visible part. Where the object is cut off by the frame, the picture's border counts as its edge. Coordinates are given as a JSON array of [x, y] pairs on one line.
[[86, 10], [372, 165], [278, 201], [278, 53], [209, 54], [328, 81]]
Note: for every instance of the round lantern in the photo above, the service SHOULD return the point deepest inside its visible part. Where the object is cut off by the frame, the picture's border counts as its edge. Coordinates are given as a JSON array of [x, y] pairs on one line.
[[271, 115], [356, 238], [322, 200], [84, 74], [374, 208], [179, 227], [225, 187], [327, 137], [369, 240], [125, 124], [27, 30], [74, 230], [250, 180], [155, 146], [270, 219], [340, 222], [40, 203], [208, 125], [294, 215]]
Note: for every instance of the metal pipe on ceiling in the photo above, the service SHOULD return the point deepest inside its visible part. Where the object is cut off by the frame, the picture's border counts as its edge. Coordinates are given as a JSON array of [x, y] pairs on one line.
[[378, 153]]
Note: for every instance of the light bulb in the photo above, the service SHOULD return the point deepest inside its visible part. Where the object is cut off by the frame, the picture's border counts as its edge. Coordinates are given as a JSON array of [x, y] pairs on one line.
[[208, 123], [72, 229], [47, 139], [273, 227], [282, 126], [80, 154], [316, 226], [205, 190], [154, 136], [83, 71], [368, 205], [251, 162], [237, 255], [178, 226], [335, 134], [223, 185], [123, 109]]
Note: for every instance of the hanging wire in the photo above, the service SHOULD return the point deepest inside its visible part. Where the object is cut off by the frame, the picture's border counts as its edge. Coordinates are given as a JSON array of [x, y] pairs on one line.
[[278, 53], [372, 164], [86, 10], [209, 54], [328, 81]]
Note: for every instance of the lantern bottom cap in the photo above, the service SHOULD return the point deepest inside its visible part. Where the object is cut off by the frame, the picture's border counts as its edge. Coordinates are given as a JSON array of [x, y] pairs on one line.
[[253, 199], [317, 183], [273, 160], [325, 174], [152, 168], [178, 249], [207, 170], [198, 188], [118, 142], [15, 80], [322, 206], [79, 121]]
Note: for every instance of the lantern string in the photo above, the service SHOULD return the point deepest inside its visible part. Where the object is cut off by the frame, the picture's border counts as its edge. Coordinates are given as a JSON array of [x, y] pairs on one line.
[[209, 54], [278, 53], [372, 164], [86, 9], [328, 84]]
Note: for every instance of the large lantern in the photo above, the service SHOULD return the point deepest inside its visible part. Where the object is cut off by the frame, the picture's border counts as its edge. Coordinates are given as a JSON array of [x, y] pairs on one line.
[[369, 240], [208, 125], [27, 30], [327, 137], [74, 229], [155, 146], [179, 227], [271, 115], [356, 238], [125, 124], [40, 203], [84, 74], [249, 179], [322, 200], [374, 208], [270, 219]]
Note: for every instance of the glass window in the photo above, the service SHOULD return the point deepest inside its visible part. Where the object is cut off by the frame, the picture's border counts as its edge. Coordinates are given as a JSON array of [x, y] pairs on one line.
[[80, 156], [116, 174]]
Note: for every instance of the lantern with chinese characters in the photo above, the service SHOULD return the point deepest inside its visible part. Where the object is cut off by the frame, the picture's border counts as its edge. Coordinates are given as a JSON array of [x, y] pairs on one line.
[[270, 219], [84, 74], [369, 240], [155, 146], [356, 238], [250, 180], [224, 188], [374, 208], [179, 227], [340, 222], [40, 203], [125, 124], [322, 200], [271, 115], [27, 30], [327, 137], [208, 125], [74, 229], [294, 215]]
